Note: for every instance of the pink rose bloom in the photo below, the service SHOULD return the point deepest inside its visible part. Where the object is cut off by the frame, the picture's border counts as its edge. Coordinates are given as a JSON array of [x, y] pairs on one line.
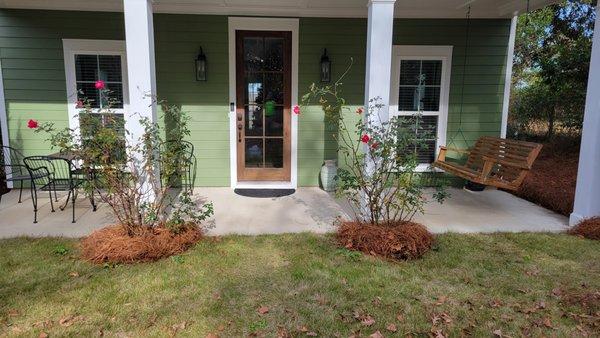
[[32, 124], [296, 110], [359, 110], [100, 84], [79, 104], [365, 138]]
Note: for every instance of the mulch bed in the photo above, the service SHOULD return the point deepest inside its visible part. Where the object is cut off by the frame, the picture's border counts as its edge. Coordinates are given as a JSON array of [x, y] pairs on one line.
[[589, 228], [405, 240], [552, 180], [113, 245]]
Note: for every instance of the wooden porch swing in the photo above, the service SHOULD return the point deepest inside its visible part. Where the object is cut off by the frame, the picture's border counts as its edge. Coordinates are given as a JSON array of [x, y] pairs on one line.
[[493, 161]]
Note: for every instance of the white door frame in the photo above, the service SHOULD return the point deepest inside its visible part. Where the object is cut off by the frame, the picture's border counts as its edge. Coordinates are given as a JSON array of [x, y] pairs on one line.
[[262, 24]]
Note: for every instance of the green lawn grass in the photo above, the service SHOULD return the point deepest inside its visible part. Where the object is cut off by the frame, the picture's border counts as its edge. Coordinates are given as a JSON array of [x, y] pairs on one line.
[[512, 284]]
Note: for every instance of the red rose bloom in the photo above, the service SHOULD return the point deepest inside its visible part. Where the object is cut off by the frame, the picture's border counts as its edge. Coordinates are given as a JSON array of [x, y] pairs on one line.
[[296, 110], [100, 84], [32, 124], [359, 110], [375, 145], [365, 138]]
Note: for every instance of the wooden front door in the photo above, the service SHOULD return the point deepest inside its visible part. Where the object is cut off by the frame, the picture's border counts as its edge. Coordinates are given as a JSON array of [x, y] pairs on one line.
[[263, 95]]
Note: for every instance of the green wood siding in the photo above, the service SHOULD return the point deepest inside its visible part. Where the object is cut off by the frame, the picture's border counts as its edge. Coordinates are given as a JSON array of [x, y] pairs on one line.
[[178, 40], [34, 77]]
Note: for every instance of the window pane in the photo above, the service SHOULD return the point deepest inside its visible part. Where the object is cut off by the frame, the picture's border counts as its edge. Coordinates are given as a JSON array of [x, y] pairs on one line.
[[273, 120], [115, 94], [86, 67], [254, 88], [274, 54], [274, 153], [432, 71], [424, 129], [254, 153], [409, 72], [431, 99], [110, 68], [254, 54], [87, 90], [254, 121], [274, 87]]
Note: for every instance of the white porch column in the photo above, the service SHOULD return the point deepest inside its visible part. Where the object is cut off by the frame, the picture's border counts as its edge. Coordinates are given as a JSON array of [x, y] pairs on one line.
[[141, 74], [139, 41], [587, 195], [379, 55]]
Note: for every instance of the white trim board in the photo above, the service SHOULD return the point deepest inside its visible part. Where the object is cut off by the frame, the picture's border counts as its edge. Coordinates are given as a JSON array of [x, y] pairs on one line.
[[100, 47], [262, 24], [443, 53], [490, 9], [508, 79], [4, 125]]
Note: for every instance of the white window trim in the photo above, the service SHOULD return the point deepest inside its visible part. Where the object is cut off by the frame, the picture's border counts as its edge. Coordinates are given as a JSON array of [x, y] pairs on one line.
[[443, 53], [71, 47], [263, 24]]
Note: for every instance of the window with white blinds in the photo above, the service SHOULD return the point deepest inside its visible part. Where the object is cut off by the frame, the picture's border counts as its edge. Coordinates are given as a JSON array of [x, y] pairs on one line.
[[90, 68], [419, 96], [88, 61]]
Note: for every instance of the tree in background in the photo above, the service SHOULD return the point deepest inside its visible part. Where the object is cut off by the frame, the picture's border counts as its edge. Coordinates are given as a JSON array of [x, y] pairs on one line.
[[552, 58]]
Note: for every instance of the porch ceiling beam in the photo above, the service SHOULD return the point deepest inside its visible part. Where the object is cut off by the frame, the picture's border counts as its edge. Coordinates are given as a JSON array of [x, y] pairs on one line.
[[301, 8], [587, 194]]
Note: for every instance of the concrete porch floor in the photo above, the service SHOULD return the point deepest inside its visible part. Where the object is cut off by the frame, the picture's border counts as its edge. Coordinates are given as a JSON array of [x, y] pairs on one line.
[[309, 209]]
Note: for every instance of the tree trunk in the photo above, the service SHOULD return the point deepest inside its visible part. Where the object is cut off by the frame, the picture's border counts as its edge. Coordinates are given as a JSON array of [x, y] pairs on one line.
[[551, 118]]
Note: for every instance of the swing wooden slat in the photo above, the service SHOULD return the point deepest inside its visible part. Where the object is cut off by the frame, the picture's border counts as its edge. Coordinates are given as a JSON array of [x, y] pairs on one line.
[[493, 161]]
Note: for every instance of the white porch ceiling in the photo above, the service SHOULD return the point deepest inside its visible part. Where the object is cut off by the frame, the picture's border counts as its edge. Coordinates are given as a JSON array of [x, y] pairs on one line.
[[300, 8]]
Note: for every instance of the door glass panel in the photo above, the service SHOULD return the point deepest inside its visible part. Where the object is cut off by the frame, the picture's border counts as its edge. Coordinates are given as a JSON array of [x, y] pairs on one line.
[[254, 53], [254, 121], [254, 152], [274, 87], [254, 88], [274, 54], [273, 120], [274, 153]]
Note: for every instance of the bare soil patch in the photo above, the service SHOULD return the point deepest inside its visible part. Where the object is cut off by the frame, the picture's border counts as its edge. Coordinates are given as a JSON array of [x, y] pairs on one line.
[[552, 180], [405, 240], [589, 228], [113, 245]]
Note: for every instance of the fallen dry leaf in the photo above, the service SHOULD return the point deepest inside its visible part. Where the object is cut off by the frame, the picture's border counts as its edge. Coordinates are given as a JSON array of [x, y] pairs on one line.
[[211, 335], [73, 274], [367, 320], [311, 334], [498, 333], [400, 317], [548, 323], [376, 334], [180, 326], [13, 313], [43, 335], [303, 329], [69, 320], [391, 327], [263, 310], [441, 300]]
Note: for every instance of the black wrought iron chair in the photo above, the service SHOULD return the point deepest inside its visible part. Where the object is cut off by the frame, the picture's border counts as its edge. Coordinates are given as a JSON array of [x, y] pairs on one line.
[[54, 174], [188, 159], [14, 168]]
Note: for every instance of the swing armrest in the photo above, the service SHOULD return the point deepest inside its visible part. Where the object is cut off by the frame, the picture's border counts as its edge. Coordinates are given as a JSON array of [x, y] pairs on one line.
[[444, 150]]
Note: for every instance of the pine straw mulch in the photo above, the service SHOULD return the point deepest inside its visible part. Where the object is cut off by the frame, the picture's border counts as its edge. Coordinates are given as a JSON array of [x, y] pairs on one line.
[[588, 228], [113, 245], [405, 240], [552, 180]]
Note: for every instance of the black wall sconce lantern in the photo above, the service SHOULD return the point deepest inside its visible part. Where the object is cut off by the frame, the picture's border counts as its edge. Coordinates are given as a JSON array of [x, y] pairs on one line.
[[201, 66], [325, 67]]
